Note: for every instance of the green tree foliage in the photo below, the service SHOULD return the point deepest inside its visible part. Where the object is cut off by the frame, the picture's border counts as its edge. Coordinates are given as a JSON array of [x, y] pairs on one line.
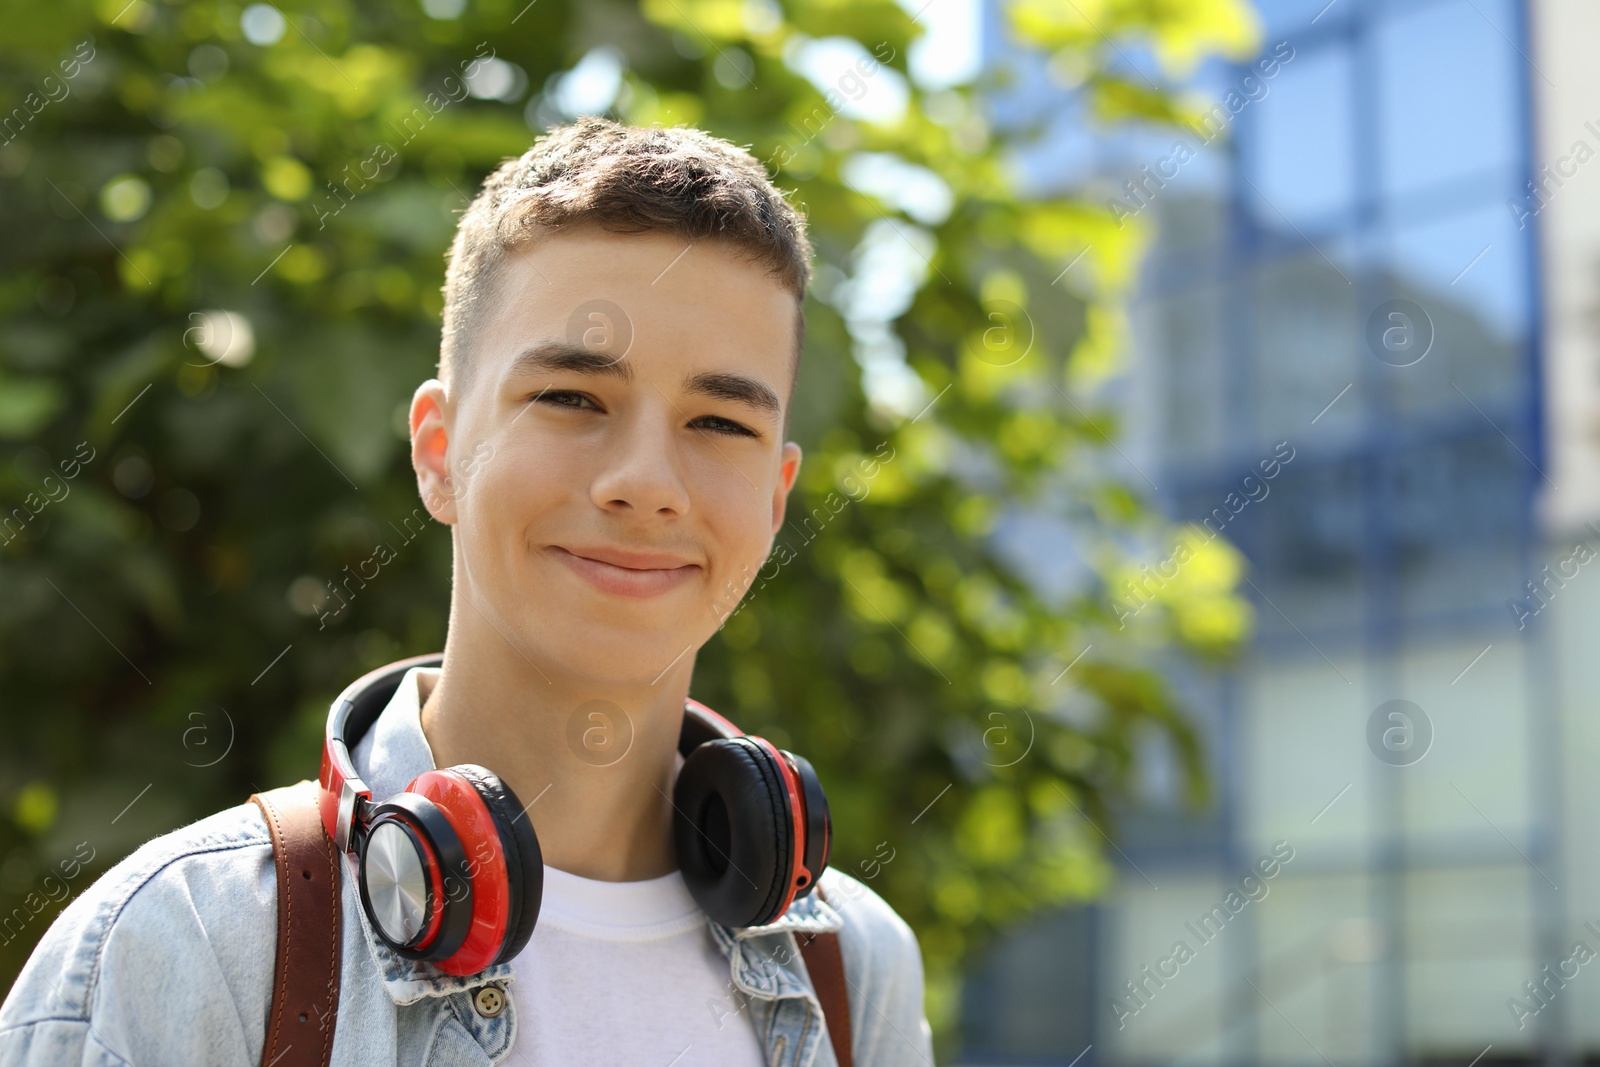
[[223, 239]]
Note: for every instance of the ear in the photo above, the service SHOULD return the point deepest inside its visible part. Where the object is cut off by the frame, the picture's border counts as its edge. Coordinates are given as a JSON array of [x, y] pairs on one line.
[[430, 450], [786, 476]]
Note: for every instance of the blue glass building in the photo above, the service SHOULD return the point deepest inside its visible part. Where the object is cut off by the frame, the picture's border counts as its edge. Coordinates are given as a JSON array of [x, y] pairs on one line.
[[1362, 268]]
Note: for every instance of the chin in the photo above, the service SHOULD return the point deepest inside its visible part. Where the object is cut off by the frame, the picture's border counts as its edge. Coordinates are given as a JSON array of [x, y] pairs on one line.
[[612, 654], [626, 666]]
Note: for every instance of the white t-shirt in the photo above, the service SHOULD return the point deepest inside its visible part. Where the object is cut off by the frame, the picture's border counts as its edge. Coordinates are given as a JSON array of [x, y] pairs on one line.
[[626, 973]]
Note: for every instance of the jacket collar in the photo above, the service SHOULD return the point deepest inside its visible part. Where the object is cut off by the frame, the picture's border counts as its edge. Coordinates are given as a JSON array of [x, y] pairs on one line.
[[395, 751]]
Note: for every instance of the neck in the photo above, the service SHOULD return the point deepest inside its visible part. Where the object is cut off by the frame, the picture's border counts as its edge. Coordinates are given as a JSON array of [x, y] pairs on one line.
[[593, 764]]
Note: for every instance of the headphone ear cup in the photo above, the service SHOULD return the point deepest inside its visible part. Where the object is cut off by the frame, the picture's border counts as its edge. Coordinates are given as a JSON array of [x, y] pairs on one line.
[[732, 831], [524, 860], [819, 823], [408, 879]]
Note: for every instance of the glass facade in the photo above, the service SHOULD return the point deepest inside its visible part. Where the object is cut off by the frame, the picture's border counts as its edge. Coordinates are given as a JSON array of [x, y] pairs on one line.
[[1341, 274]]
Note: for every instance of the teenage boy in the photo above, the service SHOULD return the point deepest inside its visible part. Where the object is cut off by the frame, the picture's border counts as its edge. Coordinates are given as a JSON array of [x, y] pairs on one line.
[[606, 441]]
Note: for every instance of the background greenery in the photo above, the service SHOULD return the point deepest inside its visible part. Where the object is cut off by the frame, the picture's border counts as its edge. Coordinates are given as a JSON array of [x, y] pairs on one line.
[[161, 654]]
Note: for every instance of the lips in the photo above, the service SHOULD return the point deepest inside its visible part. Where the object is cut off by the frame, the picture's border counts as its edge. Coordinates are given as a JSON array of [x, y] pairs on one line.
[[621, 573], [636, 561]]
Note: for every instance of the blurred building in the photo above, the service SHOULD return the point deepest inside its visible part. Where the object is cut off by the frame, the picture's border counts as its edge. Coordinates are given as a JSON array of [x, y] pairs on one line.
[[1360, 271]]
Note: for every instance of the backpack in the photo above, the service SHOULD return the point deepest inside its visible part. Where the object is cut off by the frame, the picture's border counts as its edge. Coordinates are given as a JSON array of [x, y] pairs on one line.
[[305, 987]]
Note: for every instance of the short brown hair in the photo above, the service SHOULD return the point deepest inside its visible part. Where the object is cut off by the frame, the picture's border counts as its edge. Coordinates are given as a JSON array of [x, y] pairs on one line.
[[628, 179]]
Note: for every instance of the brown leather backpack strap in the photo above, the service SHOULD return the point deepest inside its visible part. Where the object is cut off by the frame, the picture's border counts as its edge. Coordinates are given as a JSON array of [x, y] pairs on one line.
[[825, 964], [305, 990]]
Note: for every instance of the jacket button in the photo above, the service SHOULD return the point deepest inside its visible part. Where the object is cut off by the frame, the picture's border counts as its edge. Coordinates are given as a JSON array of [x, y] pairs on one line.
[[489, 1001]]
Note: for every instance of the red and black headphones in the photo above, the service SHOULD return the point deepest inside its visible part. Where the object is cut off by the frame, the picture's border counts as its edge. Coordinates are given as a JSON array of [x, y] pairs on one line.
[[451, 872]]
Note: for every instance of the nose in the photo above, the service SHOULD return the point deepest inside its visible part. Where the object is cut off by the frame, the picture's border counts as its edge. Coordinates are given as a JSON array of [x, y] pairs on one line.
[[639, 468]]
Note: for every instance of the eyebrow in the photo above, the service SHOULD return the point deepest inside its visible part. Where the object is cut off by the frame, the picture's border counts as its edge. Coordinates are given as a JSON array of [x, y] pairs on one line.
[[551, 356]]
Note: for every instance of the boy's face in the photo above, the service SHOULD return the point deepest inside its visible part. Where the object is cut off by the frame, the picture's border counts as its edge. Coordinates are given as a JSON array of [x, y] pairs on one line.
[[625, 398]]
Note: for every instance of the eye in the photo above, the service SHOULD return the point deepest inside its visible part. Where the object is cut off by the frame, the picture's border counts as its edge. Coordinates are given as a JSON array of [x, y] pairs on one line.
[[728, 426], [562, 398]]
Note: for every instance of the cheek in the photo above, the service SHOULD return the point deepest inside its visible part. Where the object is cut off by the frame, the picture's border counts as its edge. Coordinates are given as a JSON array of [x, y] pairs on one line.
[[737, 520], [512, 489]]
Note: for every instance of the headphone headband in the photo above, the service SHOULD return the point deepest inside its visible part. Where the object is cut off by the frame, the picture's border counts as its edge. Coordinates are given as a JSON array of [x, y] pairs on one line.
[[364, 699]]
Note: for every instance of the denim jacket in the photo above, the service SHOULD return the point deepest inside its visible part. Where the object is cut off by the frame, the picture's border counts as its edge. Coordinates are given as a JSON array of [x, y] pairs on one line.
[[167, 958]]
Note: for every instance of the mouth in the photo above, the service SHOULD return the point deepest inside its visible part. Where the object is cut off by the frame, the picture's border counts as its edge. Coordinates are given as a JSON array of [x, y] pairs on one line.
[[628, 574]]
